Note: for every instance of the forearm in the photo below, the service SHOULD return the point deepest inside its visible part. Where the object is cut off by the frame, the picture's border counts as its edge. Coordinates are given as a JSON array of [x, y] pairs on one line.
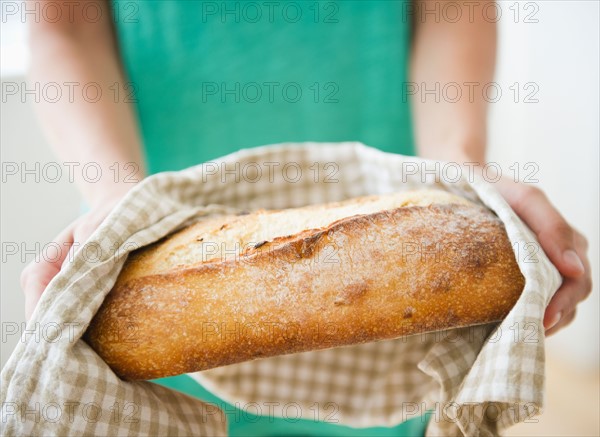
[[445, 53], [79, 128]]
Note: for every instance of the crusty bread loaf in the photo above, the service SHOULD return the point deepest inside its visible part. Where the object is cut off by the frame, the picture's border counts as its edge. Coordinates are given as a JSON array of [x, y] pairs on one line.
[[233, 288]]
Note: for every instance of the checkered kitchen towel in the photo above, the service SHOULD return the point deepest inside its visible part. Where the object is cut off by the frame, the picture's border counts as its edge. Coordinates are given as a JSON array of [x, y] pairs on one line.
[[470, 381]]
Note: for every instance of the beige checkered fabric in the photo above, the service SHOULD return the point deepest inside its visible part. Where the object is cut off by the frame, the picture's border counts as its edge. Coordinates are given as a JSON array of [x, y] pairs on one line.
[[471, 381]]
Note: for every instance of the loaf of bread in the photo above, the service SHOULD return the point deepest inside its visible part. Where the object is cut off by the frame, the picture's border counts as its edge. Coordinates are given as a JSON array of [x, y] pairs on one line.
[[232, 288]]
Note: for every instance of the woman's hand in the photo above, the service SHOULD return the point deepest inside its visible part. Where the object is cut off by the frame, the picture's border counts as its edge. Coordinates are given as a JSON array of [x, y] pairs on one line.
[[564, 245], [104, 131], [37, 274]]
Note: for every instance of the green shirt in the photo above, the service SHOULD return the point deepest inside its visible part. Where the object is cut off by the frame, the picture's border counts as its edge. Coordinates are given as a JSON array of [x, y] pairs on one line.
[[210, 78], [214, 77]]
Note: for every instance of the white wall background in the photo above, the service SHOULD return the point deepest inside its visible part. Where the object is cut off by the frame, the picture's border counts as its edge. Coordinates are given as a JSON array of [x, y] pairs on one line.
[[560, 53], [560, 133]]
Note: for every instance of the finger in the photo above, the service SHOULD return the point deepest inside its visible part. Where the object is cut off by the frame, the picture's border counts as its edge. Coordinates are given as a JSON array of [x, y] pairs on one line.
[[578, 290], [80, 232], [581, 243], [565, 300], [38, 273], [81, 235], [555, 235], [564, 322], [43, 267]]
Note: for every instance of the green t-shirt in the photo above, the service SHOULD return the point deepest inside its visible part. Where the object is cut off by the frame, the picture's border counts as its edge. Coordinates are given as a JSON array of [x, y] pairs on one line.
[[210, 78]]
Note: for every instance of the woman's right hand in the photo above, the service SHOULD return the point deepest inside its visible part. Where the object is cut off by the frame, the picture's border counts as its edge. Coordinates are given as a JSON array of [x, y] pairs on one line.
[[37, 274]]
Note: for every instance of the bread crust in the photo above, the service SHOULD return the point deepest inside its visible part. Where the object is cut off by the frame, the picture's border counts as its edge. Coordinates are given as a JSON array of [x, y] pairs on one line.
[[362, 278]]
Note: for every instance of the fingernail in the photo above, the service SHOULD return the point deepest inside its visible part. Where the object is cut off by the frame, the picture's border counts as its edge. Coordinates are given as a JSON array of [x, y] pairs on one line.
[[552, 323], [571, 258]]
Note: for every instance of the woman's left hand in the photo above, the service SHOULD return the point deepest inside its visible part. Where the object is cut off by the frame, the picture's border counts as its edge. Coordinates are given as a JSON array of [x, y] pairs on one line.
[[565, 246]]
